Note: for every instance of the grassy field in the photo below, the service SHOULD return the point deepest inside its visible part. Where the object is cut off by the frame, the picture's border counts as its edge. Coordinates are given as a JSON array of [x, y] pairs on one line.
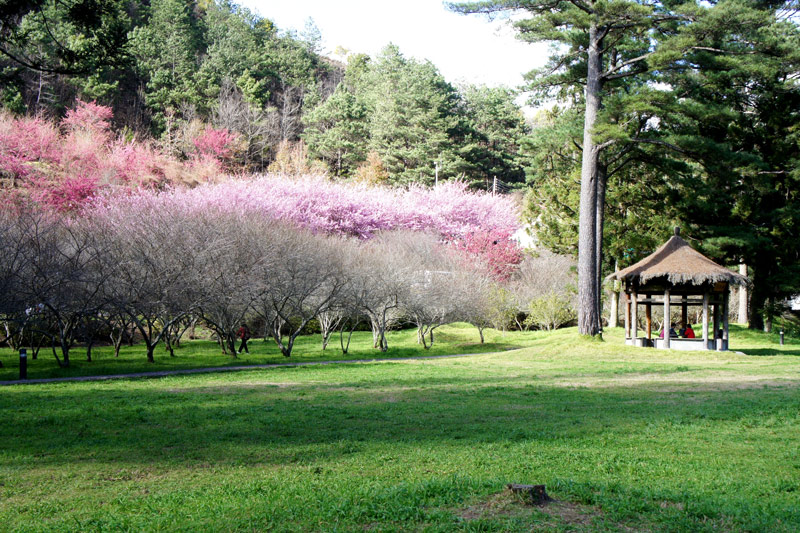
[[624, 438], [456, 338]]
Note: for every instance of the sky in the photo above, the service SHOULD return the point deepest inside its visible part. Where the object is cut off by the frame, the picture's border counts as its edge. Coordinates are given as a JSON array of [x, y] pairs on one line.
[[467, 48]]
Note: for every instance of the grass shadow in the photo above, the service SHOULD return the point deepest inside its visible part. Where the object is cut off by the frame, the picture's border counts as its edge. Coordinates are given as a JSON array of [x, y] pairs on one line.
[[763, 352]]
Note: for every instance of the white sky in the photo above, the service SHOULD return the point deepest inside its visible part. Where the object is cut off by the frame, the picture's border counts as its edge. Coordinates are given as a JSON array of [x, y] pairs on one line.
[[464, 48]]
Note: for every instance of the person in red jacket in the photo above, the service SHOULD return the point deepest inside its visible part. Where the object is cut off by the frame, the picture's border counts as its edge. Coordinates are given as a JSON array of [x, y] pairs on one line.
[[688, 332], [244, 334]]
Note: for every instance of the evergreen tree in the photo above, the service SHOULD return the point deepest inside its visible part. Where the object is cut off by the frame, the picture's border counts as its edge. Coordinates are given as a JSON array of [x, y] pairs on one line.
[[64, 36], [337, 130], [737, 116], [606, 48], [167, 50], [49, 50], [413, 112], [497, 126]]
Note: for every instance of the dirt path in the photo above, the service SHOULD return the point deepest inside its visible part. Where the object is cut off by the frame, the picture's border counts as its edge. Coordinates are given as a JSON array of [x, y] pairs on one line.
[[163, 373]]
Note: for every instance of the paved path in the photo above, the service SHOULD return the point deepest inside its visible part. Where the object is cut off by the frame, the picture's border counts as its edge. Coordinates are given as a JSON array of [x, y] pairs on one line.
[[162, 373]]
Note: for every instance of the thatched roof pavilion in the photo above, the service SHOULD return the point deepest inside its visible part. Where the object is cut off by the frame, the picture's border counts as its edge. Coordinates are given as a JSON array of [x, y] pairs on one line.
[[676, 269]]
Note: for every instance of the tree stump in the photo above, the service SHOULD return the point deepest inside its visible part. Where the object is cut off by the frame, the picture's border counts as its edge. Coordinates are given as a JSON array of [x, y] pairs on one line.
[[537, 493]]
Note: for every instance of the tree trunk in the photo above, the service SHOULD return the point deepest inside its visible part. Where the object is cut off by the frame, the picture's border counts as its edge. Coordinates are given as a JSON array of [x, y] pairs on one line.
[[151, 348], [89, 338], [588, 297], [55, 353], [117, 344], [346, 347], [222, 345], [168, 344], [600, 225], [758, 297], [742, 315], [65, 347], [35, 347], [231, 341], [375, 326], [480, 332]]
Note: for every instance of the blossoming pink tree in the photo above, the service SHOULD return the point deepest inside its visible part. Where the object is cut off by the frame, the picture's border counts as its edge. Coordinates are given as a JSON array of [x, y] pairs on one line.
[[360, 211], [61, 166]]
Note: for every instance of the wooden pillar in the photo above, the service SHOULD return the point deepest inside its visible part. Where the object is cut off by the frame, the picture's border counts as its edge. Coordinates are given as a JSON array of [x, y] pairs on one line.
[[613, 315], [648, 315], [666, 319], [684, 312], [705, 321], [635, 319], [725, 312], [716, 321], [627, 315]]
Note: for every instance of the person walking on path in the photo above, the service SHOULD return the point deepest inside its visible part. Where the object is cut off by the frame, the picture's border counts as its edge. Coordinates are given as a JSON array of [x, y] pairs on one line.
[[244, 334]]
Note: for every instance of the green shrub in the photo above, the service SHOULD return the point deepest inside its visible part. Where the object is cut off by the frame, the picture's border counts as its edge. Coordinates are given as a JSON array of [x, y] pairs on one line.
[[550, 311]]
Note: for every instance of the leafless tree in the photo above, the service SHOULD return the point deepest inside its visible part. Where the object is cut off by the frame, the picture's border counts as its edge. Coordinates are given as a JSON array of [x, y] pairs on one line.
[[14, 231], [227, 281], [154, 256], [300, 279], [64, 276], [377, 281], [430, 295], [258, 129], [290, 105], [544, 287], [477, 295], [329, 321]]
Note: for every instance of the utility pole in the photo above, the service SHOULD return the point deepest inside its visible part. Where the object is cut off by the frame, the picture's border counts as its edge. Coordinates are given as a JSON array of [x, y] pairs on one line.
[[494, 185]]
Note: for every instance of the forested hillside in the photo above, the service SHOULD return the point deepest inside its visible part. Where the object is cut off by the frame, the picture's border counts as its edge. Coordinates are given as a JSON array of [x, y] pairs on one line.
[[175, 70]]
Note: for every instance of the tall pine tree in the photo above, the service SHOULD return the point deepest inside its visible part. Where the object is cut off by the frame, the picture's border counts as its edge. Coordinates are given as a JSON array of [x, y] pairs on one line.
[[605, 49]]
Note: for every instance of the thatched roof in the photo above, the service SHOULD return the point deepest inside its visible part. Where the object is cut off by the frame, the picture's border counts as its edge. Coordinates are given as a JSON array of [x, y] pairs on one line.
[[680, 264]]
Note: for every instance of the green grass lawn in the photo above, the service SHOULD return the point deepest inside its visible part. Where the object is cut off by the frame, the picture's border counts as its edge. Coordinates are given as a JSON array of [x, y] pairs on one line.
[[624, 438], [455, 338]]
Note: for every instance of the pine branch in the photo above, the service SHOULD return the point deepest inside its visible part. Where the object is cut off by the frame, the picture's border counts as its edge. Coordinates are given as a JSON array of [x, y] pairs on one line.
[[609, 74]]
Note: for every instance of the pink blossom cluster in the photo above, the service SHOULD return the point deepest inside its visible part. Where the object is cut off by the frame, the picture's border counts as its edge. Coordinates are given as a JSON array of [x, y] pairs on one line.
[[501, 254], [215, 144], [61, 166], [476, 224], [90, 117], [323, 206]]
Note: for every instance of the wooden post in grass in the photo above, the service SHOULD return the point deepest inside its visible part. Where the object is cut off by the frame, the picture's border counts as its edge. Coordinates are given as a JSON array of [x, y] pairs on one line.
[[667, 324], [725, 312], [705, 321], [684, 312], [635, 319], [648, 315], [627, 316]]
